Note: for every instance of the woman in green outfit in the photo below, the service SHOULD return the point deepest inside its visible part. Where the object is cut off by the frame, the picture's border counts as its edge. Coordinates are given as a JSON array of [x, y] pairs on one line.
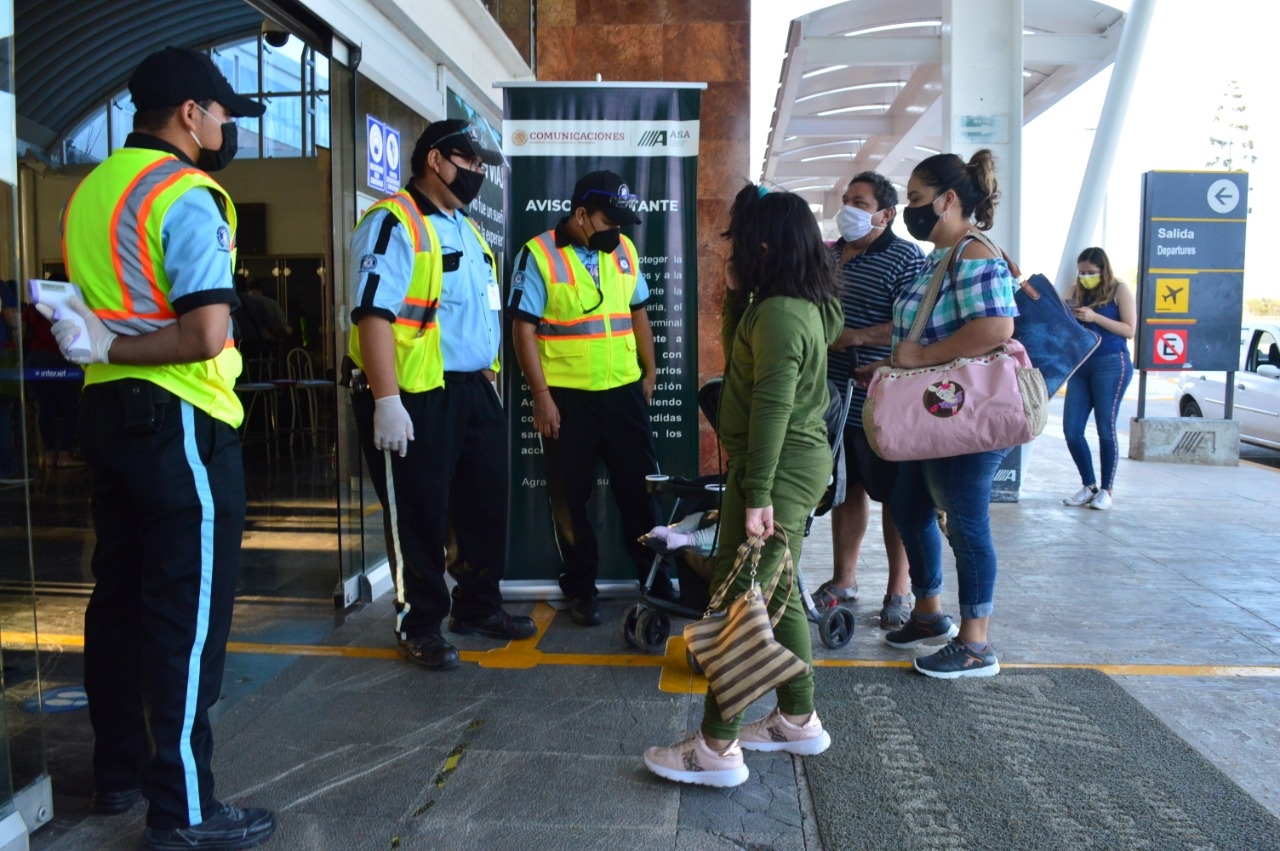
[[780, 315]]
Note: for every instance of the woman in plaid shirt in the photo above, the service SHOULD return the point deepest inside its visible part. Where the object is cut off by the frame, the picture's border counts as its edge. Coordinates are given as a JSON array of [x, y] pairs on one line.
[[946, 200]]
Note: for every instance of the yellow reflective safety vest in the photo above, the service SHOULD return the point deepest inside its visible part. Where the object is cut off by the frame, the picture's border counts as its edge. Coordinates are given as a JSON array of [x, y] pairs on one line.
[[111, 244], [585, 337], [419, 362]]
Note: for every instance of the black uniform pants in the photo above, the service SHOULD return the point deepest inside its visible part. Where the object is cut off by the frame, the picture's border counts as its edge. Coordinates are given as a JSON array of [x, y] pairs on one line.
[[450, 494], [612, 425], [168, 508]]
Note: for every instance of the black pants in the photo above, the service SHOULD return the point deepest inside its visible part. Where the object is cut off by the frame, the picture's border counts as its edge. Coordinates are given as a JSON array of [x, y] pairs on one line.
[[450, 501], [612, 425], [168, 508]]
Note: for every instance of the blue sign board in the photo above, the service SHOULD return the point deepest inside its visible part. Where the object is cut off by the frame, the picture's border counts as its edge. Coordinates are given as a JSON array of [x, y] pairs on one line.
[[1191, 270], [384, 155]]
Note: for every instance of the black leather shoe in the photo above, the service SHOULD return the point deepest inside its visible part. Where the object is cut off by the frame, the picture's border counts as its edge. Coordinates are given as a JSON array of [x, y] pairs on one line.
[[113, 803], [231, 829], [430, 651], [584, 611], [498, 625]]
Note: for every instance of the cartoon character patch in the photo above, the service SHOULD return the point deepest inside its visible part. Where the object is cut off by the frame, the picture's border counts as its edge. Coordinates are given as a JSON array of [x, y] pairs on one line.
[[368, 263], [224, 238], [944, 399]]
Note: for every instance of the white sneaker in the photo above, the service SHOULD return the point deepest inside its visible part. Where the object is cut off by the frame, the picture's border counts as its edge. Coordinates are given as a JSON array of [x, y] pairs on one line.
[[1102, 501], [1084, 496], [693, 761], [775, 733]]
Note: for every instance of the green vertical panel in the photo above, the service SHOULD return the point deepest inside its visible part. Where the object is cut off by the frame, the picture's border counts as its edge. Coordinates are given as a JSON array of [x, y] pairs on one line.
[[648, 135]]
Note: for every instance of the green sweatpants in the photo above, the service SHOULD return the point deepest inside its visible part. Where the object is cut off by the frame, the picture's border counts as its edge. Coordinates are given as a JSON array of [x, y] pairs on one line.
[[796, 490]]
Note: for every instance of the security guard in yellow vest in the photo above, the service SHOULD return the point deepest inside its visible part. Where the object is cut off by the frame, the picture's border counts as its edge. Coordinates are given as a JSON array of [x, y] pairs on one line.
[[425, 341], [583, 339], [149, 237]]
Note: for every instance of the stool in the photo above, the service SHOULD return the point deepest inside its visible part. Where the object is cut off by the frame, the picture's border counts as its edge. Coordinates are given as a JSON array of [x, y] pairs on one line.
[[250, 392], [303, 382]]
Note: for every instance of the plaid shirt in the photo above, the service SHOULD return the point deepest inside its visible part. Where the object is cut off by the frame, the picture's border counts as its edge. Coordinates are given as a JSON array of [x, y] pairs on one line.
[[979, 287]]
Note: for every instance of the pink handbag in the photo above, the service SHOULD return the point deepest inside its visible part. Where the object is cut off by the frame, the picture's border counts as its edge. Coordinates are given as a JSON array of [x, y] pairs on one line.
[[968, 405]]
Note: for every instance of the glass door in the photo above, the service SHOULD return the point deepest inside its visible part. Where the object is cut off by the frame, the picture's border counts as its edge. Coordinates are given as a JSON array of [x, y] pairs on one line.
[[25, 796]]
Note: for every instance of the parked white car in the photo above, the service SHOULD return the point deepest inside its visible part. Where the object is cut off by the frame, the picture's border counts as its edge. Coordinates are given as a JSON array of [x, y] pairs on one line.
[[1256, 405]]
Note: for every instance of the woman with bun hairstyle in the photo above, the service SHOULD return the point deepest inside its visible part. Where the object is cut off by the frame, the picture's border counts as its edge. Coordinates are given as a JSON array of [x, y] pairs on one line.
[[779, 316], [947, 200], [1108, 307]]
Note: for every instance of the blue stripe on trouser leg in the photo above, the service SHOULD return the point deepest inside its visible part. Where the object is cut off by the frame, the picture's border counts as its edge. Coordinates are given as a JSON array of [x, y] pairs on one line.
[[200, 477]]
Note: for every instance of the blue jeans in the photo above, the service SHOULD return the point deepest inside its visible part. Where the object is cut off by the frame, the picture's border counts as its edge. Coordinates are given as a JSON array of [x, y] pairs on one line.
[[960, 486], [1097, 386]]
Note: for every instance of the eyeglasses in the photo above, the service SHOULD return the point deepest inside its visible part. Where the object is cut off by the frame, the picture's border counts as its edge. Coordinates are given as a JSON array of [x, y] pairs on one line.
[[623, 199]]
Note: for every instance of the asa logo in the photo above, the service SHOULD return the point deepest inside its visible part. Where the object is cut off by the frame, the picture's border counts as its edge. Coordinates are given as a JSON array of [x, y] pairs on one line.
[[653, 138], [519, 138]]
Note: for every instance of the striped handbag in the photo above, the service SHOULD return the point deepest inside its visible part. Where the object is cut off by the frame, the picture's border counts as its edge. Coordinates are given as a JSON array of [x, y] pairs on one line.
[[736, 649]]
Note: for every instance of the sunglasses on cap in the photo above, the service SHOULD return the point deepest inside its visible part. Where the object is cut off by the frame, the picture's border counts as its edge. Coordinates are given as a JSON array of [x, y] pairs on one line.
[[622, 199]]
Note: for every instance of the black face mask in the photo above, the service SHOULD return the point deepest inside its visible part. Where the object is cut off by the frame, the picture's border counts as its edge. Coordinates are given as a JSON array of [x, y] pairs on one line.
[[605, 241], [465, 185], [221, 158], [920, 221]]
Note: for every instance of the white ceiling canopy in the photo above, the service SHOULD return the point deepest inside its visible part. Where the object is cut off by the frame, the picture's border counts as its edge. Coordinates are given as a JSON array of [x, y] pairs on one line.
[[862, 85]]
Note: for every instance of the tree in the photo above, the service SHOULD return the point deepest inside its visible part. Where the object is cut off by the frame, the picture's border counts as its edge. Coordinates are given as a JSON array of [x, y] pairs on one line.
[[1230, 132]]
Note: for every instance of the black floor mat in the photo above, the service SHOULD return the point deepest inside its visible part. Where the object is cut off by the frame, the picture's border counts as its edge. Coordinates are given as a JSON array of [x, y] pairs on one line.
[[1045, 759]]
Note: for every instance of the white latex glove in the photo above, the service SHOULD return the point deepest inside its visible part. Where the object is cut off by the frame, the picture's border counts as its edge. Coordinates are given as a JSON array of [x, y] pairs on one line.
[[67, 331], [392, 428]]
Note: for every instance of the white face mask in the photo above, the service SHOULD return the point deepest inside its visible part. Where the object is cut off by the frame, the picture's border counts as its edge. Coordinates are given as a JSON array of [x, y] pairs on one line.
[[854, 223]]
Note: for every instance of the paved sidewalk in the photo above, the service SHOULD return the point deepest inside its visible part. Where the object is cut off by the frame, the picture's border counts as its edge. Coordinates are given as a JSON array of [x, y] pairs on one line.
[[537, 746]]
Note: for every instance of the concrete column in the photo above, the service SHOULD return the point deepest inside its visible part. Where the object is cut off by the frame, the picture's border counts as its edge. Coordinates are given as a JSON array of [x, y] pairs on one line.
[[982, 97]]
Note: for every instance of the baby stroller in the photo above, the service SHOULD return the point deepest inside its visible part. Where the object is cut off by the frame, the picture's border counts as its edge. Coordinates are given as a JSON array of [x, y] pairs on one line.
[[646, 624]]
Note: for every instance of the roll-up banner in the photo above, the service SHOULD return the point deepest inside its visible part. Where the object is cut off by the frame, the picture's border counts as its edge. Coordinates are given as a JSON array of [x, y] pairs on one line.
[[554, 133]]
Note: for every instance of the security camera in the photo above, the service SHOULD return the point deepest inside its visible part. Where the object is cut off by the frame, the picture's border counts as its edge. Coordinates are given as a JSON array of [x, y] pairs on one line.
[[274, 34]]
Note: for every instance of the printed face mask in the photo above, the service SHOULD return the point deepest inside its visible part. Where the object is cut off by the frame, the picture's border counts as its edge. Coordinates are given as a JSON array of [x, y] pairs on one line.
[[854, 222], [921, 220], [1090, 281]]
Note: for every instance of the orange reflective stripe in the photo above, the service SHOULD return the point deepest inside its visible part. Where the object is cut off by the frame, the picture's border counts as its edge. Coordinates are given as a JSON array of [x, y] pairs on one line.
[[418, 230], [130, 255], [144, 249], [561, 269], [623, 246]]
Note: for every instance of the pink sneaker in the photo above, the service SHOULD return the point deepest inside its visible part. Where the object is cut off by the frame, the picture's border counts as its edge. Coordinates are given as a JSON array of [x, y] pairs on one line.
[[693, 761], [775, 733]]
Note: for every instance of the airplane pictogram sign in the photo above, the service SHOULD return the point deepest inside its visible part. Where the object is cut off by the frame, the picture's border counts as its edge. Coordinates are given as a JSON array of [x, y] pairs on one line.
[[1173, 295]]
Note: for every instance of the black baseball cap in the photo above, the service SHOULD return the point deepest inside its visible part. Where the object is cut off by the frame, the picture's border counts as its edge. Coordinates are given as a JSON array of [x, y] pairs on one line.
[[453, 134], [604, 190], [175, 75]]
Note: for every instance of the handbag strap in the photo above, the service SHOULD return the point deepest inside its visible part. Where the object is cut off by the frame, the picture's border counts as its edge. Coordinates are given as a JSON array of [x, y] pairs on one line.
[[749, 553], [946, 269]]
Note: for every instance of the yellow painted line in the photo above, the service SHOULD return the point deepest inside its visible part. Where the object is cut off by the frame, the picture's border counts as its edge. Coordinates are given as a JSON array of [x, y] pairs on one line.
[[675, 677], [1171, 219], [1157, 271], [1163, 321]]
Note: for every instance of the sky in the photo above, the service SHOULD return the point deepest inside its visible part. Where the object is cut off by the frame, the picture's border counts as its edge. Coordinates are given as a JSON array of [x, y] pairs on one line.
[[1193, 53]]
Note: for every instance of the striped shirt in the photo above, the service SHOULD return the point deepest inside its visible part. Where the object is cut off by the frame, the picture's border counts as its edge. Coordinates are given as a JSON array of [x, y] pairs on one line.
[[979, 287], [870, 283]]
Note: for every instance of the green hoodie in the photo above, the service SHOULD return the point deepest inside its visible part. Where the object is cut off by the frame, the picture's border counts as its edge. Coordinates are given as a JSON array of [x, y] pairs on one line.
[[775, 386]]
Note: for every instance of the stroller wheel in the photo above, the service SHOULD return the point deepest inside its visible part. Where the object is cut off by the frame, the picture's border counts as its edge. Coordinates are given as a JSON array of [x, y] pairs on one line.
[[627, 626], [836, 627], [652, 630], [693, 663]]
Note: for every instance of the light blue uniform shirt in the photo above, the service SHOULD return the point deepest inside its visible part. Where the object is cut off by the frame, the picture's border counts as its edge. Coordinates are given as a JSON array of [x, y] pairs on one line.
[[197, 247], [470, 328], [532, 290]]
